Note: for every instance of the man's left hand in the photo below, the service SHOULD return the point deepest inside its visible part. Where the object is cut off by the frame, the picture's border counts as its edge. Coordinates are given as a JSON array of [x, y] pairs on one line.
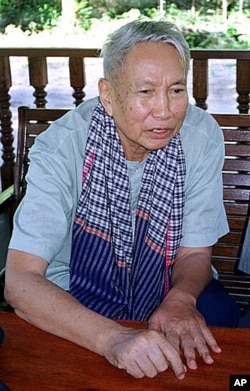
[[184, 327]]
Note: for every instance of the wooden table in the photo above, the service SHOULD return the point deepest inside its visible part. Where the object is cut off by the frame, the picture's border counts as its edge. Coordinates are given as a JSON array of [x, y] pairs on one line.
[[31, 359]]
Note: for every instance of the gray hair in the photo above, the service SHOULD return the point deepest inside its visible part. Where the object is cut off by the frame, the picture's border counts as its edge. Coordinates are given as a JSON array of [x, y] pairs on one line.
[[121, 41]]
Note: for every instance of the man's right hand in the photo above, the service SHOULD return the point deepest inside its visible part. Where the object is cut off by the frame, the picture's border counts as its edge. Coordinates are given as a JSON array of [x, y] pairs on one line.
[[144, 353]]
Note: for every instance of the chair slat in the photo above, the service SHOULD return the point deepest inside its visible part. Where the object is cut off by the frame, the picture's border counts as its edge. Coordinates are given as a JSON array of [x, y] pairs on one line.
[[236, 194], [236, 164]]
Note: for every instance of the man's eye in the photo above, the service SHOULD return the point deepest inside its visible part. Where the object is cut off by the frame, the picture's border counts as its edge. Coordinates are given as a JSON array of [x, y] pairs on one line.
[[144, 91], [177, 90]]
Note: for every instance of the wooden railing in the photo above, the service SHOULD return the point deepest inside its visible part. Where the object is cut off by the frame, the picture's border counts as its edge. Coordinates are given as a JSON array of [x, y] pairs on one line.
[[38, 74]]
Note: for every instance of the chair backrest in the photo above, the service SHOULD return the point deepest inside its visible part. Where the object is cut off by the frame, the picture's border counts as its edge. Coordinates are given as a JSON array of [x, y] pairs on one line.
[[31, 122], [236, 188]]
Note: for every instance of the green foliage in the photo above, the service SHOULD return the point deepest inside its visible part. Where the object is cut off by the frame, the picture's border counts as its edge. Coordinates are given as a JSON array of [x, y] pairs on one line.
[[84, 14], [151, 12], [116, 8], [214, 40], [37, 15], [29, 15]]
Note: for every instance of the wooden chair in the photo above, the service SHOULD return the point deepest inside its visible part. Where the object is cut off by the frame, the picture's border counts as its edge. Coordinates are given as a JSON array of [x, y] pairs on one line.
[[236, 185], [31, 122]]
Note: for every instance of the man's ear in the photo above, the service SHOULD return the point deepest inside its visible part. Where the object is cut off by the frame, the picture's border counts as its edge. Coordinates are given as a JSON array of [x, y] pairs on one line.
[[105, 88]]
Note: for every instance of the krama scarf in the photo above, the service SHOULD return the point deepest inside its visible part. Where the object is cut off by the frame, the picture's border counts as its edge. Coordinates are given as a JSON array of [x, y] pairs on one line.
[[111, 272]]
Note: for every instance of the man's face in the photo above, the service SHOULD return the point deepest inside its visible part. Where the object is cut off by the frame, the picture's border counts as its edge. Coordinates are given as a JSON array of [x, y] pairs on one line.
[[149, 101]]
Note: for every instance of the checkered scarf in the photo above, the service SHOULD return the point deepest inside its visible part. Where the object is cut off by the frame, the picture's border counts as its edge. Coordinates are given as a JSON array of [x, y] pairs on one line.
[[112, 273]]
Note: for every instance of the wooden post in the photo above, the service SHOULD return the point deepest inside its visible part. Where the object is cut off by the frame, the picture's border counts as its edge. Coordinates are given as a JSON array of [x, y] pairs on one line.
[[200, 82], [7, 138], [243, 85], [38, 79], [77, 78]]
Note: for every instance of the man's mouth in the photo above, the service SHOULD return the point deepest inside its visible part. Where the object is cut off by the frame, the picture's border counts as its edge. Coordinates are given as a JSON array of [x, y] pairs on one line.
[[158, 130], [161, 131]]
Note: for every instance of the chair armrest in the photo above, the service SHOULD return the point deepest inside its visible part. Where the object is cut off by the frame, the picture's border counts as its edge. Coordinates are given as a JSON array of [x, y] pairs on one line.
[[6, 194], [2, 274]]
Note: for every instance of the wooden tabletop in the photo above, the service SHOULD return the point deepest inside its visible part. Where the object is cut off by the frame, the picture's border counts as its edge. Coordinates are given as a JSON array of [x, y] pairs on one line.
[[31, 359]]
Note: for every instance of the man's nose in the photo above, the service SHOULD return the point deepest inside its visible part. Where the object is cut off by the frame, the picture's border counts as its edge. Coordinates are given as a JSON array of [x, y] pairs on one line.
[[162, 107]]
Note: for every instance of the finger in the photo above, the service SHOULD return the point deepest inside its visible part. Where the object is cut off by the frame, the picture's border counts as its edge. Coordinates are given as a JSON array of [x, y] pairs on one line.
[[163, 355], [146, 366], [132, 369], [174, 360], [137, 372], [203, 350], [188, 347], [210, 340], [200, 339], [203, 343], [173, 338], [158, 359]]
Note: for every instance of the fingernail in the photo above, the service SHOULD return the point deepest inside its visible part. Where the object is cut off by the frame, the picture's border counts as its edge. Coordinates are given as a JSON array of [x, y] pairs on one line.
[[181, 377], [209, 359], [193, 364]]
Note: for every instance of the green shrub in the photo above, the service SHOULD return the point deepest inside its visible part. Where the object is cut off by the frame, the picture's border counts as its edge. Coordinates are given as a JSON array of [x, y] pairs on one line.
[[214, 40], [84, 14], [39, 14]]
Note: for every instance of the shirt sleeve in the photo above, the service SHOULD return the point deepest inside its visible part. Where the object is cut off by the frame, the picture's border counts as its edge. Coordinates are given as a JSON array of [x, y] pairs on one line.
[[204, 214], [40, 223]]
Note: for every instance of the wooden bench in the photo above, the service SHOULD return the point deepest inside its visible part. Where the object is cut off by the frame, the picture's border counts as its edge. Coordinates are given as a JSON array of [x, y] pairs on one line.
[[236, 180]]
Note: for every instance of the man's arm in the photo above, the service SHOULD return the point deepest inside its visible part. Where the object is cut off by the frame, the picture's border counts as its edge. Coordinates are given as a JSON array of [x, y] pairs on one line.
[[177, 316], [45, 305]]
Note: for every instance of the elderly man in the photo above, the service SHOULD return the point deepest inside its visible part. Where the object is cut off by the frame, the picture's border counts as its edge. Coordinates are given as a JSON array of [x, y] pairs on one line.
[[123, 204]]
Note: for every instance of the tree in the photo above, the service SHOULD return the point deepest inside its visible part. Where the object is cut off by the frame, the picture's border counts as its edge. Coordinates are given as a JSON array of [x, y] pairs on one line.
[[224, 10], [161, 7], [68, 13], [193, 7], [241, 3]]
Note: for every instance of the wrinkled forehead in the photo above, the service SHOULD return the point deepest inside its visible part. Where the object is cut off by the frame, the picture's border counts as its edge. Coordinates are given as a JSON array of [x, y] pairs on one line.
[[148, 51], [151, 57]]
